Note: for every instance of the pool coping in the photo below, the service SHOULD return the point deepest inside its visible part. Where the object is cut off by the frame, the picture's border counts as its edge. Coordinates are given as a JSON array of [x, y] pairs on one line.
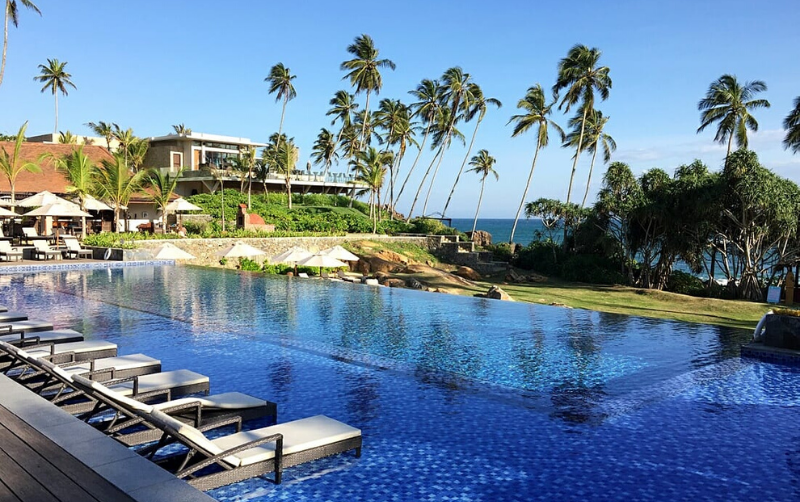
[[51, 267], [138, 477]]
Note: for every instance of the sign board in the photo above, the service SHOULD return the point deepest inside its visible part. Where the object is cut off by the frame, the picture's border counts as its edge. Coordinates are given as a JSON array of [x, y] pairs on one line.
[[773, 294]]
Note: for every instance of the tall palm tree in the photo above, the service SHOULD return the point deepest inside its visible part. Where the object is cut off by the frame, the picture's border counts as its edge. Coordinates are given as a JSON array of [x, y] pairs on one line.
[[325, 151], [394, 118], [482, 164], [80, 172], [125, 138], [429, 94], [12, 14], [181, 129], [116, 183], [281, 156], [536, 115], [137, 151], [343, 106], [364, 71], [792, 125], [55, 78], [280, 82], [104, 130], [581, 76], [594, 137], [11, 164], [372, 165], [478, 107], [162, 187], [729, 103]]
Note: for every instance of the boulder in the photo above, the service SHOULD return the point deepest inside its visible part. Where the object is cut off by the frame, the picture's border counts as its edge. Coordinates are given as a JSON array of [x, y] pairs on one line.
[[377, 264], [480, 238], [497, 294], [468, 273], [381, 276], [394, 283], [512, 276], [534, 277], [414, 284], [391, 256]]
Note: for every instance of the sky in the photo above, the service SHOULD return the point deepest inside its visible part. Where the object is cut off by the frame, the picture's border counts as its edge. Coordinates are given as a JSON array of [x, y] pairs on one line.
[[150, 64]]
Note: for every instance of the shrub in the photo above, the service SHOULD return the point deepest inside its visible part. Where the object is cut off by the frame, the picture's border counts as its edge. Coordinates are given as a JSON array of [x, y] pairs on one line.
[[544, 257], [592, 268], [500, 251], [249, 265], [685, 284]]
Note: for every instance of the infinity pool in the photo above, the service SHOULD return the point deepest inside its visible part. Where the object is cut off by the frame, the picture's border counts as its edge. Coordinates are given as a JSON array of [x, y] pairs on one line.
[[459, 399]]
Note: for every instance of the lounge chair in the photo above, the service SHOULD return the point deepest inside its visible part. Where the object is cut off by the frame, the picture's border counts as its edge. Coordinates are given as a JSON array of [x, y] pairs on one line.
[[29, 326], [74, 249], [71, 352], [12, 316], [3, 308], [129, 427], [7, 252], [53, 336], [247, 454], [42, 251], [29, 233]]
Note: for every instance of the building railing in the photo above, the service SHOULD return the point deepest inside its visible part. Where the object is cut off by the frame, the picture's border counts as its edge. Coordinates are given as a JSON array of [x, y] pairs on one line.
[[301, 176]]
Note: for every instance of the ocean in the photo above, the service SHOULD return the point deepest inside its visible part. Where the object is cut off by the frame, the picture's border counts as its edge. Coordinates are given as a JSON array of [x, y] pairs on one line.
[[500, 228]]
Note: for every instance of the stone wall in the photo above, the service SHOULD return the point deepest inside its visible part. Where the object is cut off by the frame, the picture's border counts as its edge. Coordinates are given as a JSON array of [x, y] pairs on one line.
[[205, 250]]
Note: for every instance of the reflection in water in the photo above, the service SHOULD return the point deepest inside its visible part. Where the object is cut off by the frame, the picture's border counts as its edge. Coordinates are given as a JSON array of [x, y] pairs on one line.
[[280, 376]]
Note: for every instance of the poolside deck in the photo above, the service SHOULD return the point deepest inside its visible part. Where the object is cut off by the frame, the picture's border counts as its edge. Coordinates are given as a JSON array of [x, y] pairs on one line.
[[48, 455]]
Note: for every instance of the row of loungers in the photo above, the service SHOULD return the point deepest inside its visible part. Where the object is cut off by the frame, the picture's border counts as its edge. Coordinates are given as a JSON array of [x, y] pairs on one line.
[[130, 398]]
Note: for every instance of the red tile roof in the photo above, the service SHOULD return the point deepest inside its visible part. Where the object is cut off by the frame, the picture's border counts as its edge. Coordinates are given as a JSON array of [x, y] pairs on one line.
[[49, 179]]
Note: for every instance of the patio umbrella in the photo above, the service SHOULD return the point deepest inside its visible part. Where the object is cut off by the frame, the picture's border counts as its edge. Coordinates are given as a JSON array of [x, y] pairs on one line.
[[92, 204], [291, 256], [172, 252], [321, 260], [43, 199], [339, 253], [5, 213], [68, 210], [179, 206], [240, 250]]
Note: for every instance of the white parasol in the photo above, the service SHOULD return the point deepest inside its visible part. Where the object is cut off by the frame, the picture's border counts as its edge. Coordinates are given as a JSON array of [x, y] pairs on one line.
[[92, 204], [240, 250], [68, 210], [339, 253], [172, 252], [182, 205], [5, 213], [291, 255], [43, 199], [321, 260]]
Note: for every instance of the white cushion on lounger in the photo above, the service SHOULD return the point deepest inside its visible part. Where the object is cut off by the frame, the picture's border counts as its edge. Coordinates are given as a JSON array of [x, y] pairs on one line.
[[77, 347], [13, 316], [103, 390], [225, 401], [299, 435], [30, 325], [161, 381], [45, 336], [164, 421], [127, 362]]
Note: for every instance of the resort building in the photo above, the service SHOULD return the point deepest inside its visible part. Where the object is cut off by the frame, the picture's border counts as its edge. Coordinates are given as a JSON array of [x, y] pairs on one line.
[[207, 160], [54, 139]]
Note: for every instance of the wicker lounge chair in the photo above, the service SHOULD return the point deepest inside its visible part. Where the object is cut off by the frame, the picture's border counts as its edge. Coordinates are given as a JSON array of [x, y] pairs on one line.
[[65, 352], [7, 252], [129, 426], [42, 251], [29, 326], [12, 316], [74, 249], [229, 459], [53, 336]]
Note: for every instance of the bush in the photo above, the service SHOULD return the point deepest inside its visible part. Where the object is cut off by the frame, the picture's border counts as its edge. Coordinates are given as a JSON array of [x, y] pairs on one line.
[[542, 256], [430, 226], [592, 268], [196, 227], [500, 251], [685, 284], [249, 265]]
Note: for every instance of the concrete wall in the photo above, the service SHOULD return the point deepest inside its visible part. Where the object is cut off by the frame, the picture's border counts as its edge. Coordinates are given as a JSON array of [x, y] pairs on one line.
[[204, 250]]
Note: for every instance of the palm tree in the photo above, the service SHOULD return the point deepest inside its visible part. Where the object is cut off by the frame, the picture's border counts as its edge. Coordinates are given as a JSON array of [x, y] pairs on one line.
[[478, 107], [364, 71], [594, 137], [579, 74], [181, 129], [429, 94], [116, 183], [395, 119], [536, 115], [281, 156], [55, 78], [80, 173], [325, 151], [248, 154], [12, 13], [343, 106], [792, 125], [137, 151], [67, 138], [125, 138], [162, 187], [11, 164], [729, 103], [280, 82], [371, 165], [482, 164], [104, 130]]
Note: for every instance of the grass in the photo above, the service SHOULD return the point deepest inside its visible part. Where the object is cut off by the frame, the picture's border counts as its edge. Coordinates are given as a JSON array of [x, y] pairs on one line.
[[412, 251]]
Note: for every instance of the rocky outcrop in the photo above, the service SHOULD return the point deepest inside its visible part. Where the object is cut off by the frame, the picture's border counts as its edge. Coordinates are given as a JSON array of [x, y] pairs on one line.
[[480, 238], [414, 284], [497, 294], [514, 276], [468, 273]]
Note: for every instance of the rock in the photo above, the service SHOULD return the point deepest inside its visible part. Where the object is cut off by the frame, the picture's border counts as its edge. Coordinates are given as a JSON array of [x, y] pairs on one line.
[[512, 276], [480, 238], [377, 264], [468, 273], [497, 294], [395, 283], [414, 284], [391, 256], [381, 276], [432, 290], [556, 304], [534, 277], [363, 266]]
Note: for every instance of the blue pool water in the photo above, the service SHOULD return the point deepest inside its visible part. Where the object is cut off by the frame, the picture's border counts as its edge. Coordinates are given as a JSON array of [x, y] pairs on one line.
[[459, 399]]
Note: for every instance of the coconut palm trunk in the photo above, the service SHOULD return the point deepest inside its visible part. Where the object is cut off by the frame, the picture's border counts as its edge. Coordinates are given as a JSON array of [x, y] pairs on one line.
[[55, 131], [577, 156], [463, 163], [5, 42], [364, 125], [421, 184], [589, 181], [525, 193], [477, 211], [416, 159]]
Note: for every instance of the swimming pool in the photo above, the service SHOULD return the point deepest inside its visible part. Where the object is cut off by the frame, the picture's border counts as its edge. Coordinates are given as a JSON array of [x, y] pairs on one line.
[[459, 399]]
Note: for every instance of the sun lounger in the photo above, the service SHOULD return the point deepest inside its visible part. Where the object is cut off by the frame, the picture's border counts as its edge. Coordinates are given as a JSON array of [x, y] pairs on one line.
[[130, 428], [52, 336], [29, 326], [66, 352], [12, 316], [42, 251], [303, 275], [3, 308], [74, 249], [7, 252], [247, 454]]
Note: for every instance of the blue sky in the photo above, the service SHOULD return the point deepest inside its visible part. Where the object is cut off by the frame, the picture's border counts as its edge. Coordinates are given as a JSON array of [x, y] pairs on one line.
[[150, 64]]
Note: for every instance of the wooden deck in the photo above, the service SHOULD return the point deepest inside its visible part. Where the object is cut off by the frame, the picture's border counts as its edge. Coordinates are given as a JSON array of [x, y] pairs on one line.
[[35, 469]]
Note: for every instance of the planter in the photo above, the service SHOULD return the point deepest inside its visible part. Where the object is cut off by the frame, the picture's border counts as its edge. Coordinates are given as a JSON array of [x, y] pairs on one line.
[[782, 331]]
